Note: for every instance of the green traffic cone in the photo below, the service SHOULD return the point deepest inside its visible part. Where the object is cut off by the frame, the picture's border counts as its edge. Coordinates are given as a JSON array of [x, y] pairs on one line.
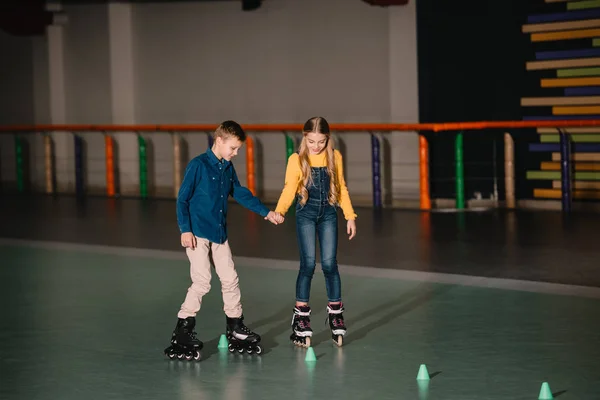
[[545, 392], [423, 375], [310, 355], [223, 343]]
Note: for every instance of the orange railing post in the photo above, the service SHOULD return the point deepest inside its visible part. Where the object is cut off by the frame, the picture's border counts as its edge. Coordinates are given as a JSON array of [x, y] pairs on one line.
[[250, 164], [110, 165], [424, 173]]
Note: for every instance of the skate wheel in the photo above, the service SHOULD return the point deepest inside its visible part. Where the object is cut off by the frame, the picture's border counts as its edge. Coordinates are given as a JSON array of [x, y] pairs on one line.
[[339, 341], [258, 349], [241, 350], [230, 347], [169, 353], [307, 342], [197, 355], [180, 356], [249, 351], [189, 356]]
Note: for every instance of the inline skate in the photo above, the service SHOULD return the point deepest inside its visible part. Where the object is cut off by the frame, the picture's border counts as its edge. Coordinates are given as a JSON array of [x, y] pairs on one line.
[[301, 330], [335, 317], [184, 344], [241, 338]]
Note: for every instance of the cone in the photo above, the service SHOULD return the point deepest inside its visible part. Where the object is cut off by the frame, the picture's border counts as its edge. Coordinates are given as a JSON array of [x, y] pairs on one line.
[[423, 375], [545, 392], [223, 343], [310, 355]]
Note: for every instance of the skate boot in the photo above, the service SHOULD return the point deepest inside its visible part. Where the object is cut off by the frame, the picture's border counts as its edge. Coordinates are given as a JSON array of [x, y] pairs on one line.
[[301, 330], [184, 343], [241, 338], [335, 317]]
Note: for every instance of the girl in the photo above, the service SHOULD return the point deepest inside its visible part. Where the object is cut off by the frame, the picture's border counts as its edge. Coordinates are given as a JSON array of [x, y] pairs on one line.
[[315, 179]]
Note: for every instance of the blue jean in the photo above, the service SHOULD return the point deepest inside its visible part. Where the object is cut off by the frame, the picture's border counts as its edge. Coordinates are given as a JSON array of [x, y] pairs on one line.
[[312, 219]]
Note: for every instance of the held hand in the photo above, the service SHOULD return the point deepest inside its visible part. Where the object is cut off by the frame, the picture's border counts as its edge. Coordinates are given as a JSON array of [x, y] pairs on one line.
[[351, 228], [279, 218], [274, 218], [188, 240]]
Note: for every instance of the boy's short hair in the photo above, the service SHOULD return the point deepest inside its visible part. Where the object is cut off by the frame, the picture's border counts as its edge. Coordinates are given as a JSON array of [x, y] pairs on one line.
[[228, 129]]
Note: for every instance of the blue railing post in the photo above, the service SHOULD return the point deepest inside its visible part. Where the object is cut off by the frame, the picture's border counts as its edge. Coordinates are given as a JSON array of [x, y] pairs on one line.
[[565, 169], [376, 167]]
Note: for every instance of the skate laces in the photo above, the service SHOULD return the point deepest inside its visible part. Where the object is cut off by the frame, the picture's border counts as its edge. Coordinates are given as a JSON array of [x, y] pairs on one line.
[[337, 321], [244, 328], [303, 323], [192, 334]]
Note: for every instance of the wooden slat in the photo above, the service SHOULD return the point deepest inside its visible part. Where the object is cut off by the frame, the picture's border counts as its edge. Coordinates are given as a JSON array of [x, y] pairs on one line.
[[572, 72], [582, 185], [560, 26], [555, 166], [556, 194], [554, 175], [555, 64], [582, 5], [565, 35], [579, 157], [575, 138], [546, 131], [581, 110], [569, 82], [557, 101]]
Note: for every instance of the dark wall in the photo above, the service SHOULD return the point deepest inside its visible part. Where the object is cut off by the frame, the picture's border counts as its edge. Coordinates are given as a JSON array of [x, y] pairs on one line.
[[472, 56]]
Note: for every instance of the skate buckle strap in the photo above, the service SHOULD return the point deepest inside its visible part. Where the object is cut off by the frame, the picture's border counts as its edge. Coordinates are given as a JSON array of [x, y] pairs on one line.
[[301, 313]]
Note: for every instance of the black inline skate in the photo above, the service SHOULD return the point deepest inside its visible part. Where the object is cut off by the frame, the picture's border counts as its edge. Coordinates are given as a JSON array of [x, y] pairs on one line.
[[301, 330], [184, 343], [241, 338], [335, 317]]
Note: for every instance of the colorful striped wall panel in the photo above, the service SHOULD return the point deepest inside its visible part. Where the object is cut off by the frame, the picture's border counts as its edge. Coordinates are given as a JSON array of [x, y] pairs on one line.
[[566, 44]]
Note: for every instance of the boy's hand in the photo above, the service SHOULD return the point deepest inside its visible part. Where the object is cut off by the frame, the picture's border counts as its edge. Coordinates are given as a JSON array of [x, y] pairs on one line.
[[275, 218], [351, 228], [188, 240]]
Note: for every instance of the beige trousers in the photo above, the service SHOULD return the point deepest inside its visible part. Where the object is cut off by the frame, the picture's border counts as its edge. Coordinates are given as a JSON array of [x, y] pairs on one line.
[[200, 266]]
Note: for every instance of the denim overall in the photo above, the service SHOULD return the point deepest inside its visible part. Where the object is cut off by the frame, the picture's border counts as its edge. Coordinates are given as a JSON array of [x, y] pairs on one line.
[[317, 217]]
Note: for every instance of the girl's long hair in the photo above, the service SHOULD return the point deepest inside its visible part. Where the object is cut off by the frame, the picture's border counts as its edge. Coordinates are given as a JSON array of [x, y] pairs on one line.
[[318, 125]]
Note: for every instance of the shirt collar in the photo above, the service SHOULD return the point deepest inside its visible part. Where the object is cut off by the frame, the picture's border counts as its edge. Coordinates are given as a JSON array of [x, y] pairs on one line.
[[214, 160]]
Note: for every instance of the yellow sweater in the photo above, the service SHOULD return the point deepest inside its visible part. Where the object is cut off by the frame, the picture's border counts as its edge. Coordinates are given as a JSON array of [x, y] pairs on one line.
[[293, 181]]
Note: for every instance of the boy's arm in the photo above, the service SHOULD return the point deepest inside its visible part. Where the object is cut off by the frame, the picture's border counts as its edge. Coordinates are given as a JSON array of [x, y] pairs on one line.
[[185, 194], [245, 197]]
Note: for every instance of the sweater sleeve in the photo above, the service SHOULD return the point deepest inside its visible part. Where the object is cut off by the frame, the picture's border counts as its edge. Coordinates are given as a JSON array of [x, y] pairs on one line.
[[290, 188], [345, 202]]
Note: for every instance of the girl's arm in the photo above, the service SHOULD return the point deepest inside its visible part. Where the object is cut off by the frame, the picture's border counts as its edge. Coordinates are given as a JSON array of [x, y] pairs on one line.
[[345, 202], [292, 179]]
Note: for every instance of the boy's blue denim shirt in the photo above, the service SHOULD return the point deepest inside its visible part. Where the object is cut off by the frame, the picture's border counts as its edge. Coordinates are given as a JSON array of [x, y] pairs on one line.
[[202, 198]]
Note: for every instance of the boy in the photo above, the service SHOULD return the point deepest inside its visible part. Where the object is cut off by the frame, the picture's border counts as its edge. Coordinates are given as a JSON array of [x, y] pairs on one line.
[[209, 180]]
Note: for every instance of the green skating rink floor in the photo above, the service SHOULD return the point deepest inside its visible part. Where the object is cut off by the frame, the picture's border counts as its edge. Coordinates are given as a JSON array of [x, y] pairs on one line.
[[92, 322]]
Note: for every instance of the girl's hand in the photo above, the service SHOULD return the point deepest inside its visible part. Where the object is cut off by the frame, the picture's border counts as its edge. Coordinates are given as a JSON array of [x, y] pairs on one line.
[[351, 228]]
